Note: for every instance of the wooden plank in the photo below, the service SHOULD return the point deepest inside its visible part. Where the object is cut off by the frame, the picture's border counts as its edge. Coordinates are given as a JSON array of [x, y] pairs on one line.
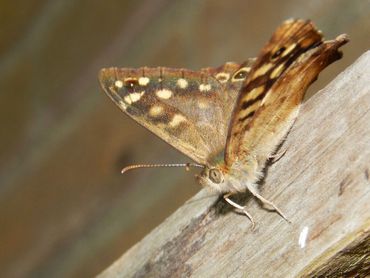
[[322, 184]]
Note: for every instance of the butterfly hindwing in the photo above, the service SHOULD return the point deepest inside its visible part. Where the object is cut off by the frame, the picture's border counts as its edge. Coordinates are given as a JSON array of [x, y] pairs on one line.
[[190, 110]]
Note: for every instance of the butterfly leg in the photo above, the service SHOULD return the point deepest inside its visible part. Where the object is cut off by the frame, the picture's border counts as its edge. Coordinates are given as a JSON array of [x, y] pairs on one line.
[[235, 205], [277, 156], [266, 202]]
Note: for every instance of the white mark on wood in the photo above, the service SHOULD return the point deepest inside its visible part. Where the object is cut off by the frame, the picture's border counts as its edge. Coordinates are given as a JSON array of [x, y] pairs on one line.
[[303, 237]]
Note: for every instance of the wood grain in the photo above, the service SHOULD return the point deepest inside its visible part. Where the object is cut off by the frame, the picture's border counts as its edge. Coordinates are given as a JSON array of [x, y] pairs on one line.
[[322, 183]]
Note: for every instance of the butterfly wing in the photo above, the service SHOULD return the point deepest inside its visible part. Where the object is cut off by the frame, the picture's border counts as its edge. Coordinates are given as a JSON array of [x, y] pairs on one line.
[[190, 110], [271, 95]]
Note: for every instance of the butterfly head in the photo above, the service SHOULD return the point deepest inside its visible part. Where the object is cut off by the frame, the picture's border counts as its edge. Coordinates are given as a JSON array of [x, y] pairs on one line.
[[212, 177]]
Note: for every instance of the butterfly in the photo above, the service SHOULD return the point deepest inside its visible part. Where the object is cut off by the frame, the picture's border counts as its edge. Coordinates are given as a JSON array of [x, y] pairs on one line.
[[231, 119]]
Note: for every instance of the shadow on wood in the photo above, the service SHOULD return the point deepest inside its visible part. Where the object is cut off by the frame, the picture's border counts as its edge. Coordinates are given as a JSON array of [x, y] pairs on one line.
[[322, 184]]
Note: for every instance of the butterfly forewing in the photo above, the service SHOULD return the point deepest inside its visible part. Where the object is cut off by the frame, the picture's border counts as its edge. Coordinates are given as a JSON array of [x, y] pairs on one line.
[[190, 110]]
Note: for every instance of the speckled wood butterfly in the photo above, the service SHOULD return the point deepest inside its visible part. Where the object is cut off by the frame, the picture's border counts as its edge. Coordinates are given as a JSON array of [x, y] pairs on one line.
[[231, 119]]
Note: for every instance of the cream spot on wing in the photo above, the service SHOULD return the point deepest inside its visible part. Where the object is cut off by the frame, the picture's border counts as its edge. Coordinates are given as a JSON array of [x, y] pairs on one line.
[[222, 77], [176, 120], [249, 109], [164, 94], [264, 100], [143, 81], [182, 83], [156, 110], [118, 84], [262, 70], [277, 71], [127, 99], [289, 49], [204, 87], [254, 93], [133, 97], [122, 105]]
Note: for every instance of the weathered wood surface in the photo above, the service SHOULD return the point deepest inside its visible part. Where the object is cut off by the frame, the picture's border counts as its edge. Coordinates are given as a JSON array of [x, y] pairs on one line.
[[322, 184]]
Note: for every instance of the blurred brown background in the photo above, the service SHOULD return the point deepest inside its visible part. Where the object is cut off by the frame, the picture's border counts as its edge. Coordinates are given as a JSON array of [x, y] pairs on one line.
[[65, 209]]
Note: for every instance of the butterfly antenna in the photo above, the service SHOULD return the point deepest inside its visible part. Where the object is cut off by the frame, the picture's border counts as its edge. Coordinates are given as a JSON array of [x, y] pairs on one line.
[[186, 165]]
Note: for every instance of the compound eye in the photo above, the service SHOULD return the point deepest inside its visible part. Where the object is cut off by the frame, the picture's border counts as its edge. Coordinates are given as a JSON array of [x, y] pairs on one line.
[[215, 175]]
